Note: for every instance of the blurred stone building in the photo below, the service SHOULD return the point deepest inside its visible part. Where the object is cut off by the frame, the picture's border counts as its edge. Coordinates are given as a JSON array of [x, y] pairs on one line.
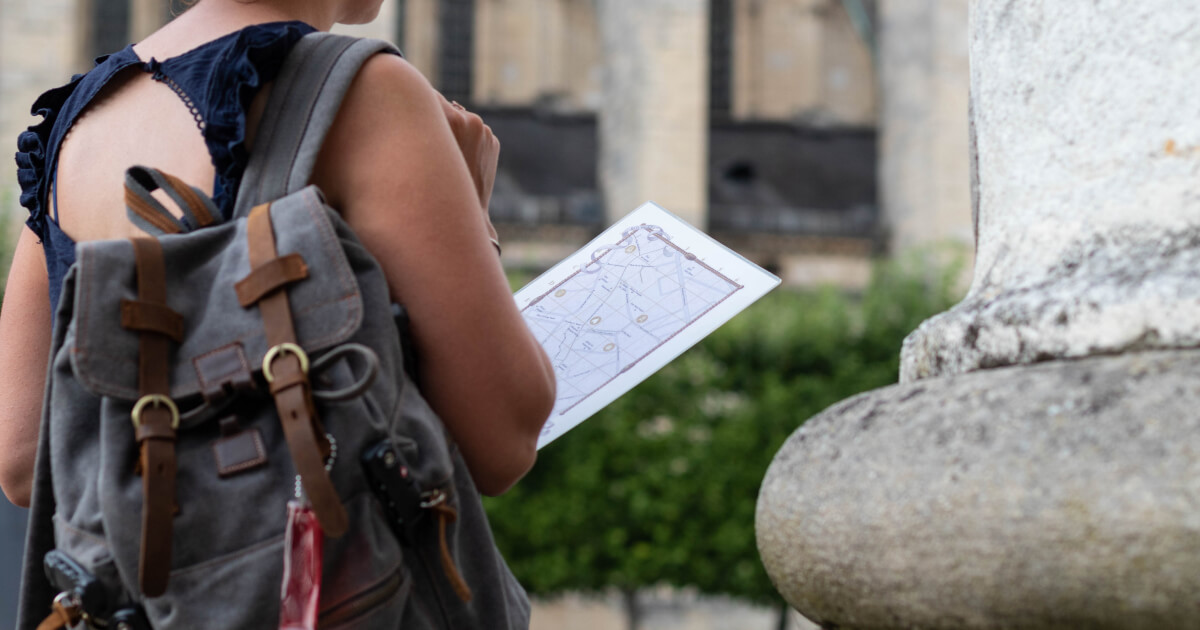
[[755, 119], [805, 134]]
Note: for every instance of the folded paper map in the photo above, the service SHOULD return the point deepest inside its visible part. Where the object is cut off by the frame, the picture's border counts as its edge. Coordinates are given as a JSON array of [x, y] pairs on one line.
[[628, 303]]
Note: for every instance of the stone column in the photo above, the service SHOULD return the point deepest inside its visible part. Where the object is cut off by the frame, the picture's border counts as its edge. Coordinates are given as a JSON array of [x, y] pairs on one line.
[[1037, 467], [654, 111], [924, 189]]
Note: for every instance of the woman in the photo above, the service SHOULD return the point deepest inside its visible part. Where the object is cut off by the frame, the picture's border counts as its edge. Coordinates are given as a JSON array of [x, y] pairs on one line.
[[411, 173]]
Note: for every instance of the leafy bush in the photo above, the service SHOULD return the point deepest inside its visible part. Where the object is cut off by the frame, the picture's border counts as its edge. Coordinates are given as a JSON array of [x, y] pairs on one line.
[[660, 486]]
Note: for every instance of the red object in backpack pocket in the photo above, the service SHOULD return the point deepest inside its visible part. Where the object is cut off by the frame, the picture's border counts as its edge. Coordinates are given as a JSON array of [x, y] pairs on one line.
[[302, 547]]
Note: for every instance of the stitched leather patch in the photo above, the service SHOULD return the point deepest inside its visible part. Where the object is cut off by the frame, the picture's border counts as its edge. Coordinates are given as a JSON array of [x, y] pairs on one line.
[[239, 452], [222, 372]]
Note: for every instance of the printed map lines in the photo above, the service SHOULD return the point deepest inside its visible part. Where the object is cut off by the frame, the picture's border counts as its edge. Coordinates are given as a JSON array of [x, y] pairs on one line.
[[627, 301]]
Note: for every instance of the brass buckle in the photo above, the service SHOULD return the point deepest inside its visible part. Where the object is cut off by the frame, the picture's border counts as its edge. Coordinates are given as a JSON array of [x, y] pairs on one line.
[[157, 400], [275, 351]]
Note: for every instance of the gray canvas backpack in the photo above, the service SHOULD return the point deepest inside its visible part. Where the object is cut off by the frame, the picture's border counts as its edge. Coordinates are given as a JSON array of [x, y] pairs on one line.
[[201, 379]]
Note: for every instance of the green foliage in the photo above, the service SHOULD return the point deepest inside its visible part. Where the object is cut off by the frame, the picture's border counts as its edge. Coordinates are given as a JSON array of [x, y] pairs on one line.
[[8, 235], [660, 486]]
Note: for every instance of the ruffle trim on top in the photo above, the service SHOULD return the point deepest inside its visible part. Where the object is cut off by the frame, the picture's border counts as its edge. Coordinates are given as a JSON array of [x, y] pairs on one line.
[[31, 153], [253, 60]]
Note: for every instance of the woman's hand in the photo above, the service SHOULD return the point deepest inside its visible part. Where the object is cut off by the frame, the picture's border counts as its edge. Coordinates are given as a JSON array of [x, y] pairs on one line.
[[480, 149]]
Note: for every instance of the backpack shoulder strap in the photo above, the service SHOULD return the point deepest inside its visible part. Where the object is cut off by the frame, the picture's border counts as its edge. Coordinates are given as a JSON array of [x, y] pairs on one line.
[[303, 103]]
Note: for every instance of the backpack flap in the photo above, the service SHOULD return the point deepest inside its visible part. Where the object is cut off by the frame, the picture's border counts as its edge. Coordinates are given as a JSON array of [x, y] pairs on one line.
[[203, 268]]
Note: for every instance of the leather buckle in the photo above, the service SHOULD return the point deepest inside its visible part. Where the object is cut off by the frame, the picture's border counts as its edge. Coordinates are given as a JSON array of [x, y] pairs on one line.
[[274, 353], [157, 400]]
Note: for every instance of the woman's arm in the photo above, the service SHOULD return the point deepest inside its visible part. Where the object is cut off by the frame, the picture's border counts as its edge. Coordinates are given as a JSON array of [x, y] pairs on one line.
[[24, 347], [394, 168]]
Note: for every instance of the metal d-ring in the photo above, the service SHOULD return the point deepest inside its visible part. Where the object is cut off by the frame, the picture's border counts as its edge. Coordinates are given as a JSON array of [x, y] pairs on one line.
[[155, 400], [433, 498], [276, 351]]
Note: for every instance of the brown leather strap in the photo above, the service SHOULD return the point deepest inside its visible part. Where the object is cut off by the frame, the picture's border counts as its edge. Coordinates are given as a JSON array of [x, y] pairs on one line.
[[446, 514], [154, 430], [275, 310], [53, 622], [146, 211], [60, 616], [156, 424], [158, 510], [286, 379], [199, 209], [271, 275], [151, 317], [290, 386]]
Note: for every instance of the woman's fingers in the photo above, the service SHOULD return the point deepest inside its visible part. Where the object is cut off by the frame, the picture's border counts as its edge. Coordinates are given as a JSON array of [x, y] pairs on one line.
[[478, 145]]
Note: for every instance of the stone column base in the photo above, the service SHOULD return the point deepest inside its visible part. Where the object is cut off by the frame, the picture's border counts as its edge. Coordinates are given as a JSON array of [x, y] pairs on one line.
[[1059, 495]]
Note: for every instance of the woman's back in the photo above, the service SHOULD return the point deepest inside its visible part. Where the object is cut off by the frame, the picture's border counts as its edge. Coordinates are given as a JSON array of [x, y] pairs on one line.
[[97, 152], [189, 99]]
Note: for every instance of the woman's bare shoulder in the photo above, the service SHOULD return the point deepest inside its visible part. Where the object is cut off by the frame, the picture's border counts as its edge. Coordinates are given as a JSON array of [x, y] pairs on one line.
[[389, 120], [386, 68], [388, 89]]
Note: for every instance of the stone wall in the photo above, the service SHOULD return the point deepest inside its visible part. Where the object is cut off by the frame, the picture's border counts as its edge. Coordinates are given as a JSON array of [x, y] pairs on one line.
[[800, 60], [531, 51]]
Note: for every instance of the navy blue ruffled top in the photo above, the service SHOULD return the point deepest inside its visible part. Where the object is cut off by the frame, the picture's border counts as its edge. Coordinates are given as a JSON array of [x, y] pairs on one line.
[[217, 81]]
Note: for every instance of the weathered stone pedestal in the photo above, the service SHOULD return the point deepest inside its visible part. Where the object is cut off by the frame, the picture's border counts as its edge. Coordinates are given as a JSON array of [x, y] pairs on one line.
[[1061, 495], [1038, 466]]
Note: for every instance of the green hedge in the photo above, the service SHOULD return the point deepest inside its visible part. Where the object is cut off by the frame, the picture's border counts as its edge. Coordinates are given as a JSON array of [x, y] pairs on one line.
[[660, 487]]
